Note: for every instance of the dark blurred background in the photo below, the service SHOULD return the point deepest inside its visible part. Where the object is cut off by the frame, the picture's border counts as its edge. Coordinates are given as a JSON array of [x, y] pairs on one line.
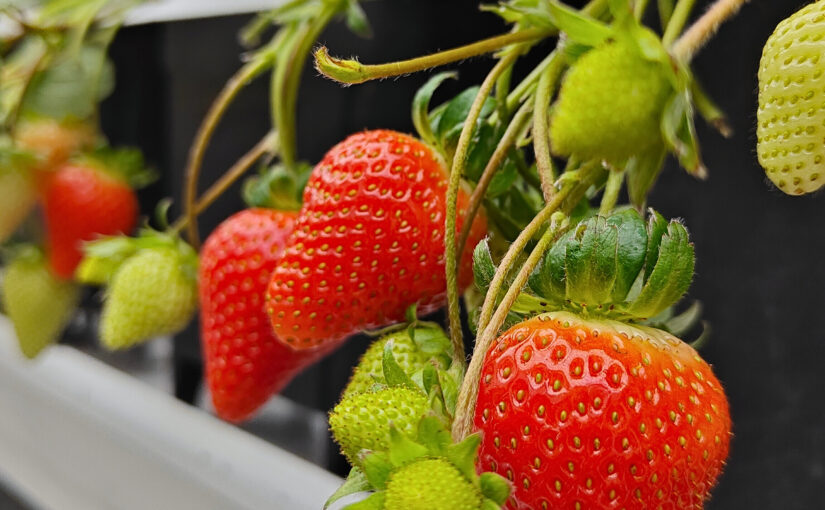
[[759, 270]]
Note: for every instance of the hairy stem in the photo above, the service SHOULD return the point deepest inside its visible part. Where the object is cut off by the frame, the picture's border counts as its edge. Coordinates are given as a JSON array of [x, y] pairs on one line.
[[193, 167], [286, 81], [677, 22], [352, 71], [507, 141], [615, 179], [541, 133], [456, 171], [704, 28], [267, 145], [469, 388]]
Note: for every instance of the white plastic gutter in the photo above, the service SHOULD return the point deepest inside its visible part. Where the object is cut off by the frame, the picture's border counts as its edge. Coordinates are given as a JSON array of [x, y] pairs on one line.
[[77, 434]]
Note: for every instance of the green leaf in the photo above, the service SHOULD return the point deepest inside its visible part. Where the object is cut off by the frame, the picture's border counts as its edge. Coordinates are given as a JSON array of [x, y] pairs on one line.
[[71, 87], [434, 435], [578, 27], [429, 378], [449, 388], [484, 269], [377, 468], [277, 187], [431, 340], [356, 482], [656, 228], [463, 455], [489, 504], [548, 279], [421, 106], [374, 502], [403, 450], [452, 120], [709, 110], [590, 262], [126, 163], [494, 487], [671, 276], [682, 323], [393, 373], [630, 251], [679, 133], [642, 171], [357, 19]]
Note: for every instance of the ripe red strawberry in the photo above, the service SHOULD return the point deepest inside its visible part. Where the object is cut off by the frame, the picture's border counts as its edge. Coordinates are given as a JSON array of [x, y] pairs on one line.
[[245, 363], [82, 202], [598, 413], [369, 241]]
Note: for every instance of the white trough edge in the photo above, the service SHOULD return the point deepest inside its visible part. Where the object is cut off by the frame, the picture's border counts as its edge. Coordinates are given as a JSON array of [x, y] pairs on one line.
[[175, 10], [76, 434]]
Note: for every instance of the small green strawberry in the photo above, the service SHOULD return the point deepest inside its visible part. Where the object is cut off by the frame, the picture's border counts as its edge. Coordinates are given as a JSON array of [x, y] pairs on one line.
[[431, 484], [152, 293], [423, 470], [362, 421], [610, 104], [38, 304], [412, 348], [791, 91]]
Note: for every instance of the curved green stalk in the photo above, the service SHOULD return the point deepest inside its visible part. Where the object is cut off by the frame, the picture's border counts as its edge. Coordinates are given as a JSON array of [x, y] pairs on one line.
[[615, 179], [468, 393], [287, 78], [703, 29], [352, 71], [541, 132], [507, 141], [677, 22], [457, 170]]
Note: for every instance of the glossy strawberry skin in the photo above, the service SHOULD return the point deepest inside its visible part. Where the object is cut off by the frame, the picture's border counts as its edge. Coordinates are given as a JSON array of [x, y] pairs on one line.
[[80, 204], [245, 363], [583, 413], [369, 241]]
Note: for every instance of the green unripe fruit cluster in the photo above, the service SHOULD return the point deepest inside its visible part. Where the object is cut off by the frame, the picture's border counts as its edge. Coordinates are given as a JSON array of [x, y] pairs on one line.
[[791, 115], [431, 484], [610, 104], [361, 421]]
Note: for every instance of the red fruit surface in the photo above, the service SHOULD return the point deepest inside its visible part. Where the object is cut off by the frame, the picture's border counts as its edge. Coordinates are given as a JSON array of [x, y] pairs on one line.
[[369, 241], [82, 203], [587, 414], [245, 363]]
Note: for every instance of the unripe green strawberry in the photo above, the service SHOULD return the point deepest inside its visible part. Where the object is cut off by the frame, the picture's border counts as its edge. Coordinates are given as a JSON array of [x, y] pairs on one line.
[[153, 293], [38, 304], [362, 421], [431, 484], [610, 104], [407, 353], [790, 118]]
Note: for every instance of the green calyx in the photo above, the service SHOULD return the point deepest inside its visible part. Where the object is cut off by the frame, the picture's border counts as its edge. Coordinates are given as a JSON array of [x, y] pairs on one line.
[[278, 187], [423, 469], [412, 349], [122, 163], [102, 258], [619, 267]]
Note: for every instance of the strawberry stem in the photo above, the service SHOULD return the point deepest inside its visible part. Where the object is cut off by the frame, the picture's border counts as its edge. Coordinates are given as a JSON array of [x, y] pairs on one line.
[[287, 78], [352, 71], [615, 179], [507, 141], [469, 388], [541, 136], [267, 145], [457, 170], [677, 21], [238, 81], [704, 28]]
